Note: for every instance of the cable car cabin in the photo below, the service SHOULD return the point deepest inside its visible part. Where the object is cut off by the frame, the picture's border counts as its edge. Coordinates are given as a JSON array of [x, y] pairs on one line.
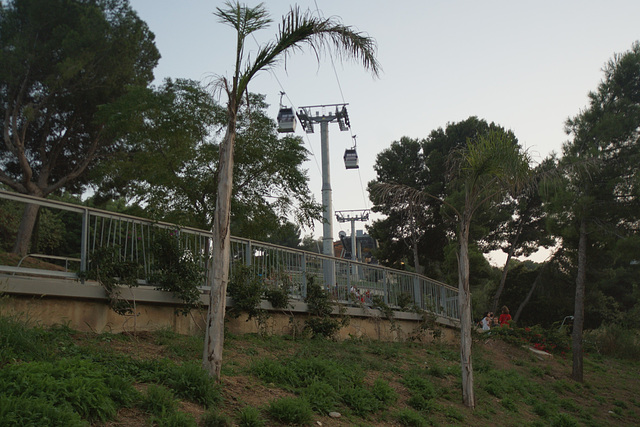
[[286, 120], [350, 158]]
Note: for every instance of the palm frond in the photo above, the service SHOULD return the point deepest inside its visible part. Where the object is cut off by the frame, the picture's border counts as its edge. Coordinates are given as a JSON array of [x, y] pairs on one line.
[[298, 30]]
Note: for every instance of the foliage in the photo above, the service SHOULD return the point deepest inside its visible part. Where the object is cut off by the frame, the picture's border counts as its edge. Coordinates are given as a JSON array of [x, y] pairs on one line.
[[291, 410], [250, 416], [552, 340], [158, 400], [320, 306], [112, 270], [190, 381], [537, 389], [21, 411], [615, 341], [212, 418], [84, 386], [410, 418], [171, 165], [65, 64], [176, 269]]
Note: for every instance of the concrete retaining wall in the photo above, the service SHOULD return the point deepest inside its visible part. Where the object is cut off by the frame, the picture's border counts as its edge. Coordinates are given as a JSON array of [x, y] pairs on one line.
[[84, 307]]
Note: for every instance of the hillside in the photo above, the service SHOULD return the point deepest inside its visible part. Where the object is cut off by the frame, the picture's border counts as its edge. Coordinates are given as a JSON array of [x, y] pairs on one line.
[[369, 383]]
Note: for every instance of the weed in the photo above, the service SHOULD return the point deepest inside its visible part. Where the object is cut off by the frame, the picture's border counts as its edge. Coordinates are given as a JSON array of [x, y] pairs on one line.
[[410, 418], [21, 411], [173, 419], [454, 414], [82, 385], [563, 420], [291, 410], [158, 400], [250, 416], [362, 401], [214, 419], [383, 392], [322, 396], [191, 382]]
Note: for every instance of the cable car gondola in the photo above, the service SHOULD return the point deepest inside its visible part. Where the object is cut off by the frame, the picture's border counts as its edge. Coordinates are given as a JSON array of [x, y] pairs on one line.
[[351, 156], [286, 118]]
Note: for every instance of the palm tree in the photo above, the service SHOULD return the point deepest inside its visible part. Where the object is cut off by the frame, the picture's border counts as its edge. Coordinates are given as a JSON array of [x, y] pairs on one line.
[[485, 170], [296, 31]]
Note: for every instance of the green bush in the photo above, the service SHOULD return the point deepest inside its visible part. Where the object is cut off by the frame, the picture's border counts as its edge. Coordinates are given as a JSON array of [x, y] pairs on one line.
[[193, 383], [20, 411], [410, 418], [214, 419], [384, 392], [250, 416], [158, 400], [291, 410], [360, 400], [616, 341], [176, 269], [173, 419], [84, 386], [419, 385], [322, 397]]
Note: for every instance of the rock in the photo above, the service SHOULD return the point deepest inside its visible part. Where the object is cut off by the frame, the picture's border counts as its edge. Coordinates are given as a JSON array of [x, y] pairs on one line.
[[334, 414], [540, 354]]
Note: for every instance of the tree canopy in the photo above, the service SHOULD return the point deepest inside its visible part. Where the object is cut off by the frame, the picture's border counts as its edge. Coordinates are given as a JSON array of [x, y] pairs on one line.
[[63, 63]]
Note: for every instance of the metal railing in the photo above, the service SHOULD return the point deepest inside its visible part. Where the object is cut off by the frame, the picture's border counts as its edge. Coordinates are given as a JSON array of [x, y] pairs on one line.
[[348, 281]]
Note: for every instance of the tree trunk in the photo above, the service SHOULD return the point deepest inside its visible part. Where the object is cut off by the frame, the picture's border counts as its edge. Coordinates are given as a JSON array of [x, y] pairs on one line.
[[23, 239], [505, 269], [416, 260], [464, 302], [219, 276], [578, 314], [516, 317]]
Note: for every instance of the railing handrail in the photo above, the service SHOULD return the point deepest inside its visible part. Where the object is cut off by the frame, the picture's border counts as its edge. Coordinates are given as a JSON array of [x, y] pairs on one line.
[[370, 276]]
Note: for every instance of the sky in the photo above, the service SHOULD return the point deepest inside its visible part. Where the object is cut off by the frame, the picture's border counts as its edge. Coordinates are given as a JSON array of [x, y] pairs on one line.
[[527, 66]]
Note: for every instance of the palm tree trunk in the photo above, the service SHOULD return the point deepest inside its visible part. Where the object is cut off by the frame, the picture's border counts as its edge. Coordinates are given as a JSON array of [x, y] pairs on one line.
[[578, 314], [464, 302], [219, 278]]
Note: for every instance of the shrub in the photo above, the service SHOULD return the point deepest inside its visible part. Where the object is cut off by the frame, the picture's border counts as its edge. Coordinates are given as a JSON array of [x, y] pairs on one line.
[[615, 340], [173, 419], [362, 401], [410, 418], [214, 419], [291, 410], [176, 269], [191, 382], [80, 384], [250, 417], [158, 400], [322, 397], [21, 411], [384, 392]]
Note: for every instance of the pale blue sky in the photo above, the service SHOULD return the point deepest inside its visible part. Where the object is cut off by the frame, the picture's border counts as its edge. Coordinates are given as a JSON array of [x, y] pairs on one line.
[[525, 65]]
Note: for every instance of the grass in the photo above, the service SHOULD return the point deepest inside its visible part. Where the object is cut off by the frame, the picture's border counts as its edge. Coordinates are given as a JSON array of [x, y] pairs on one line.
[[73, 378]]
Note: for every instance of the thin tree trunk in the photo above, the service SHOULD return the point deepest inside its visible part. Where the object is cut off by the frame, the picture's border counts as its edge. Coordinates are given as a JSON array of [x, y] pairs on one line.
[[25, 230], [464, 302], [505, 269], [416, 260], [516, 317], [578, 315], [219, 278]]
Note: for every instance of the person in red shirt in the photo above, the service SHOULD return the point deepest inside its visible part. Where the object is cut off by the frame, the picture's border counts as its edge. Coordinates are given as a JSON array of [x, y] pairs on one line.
[[505, 317]]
